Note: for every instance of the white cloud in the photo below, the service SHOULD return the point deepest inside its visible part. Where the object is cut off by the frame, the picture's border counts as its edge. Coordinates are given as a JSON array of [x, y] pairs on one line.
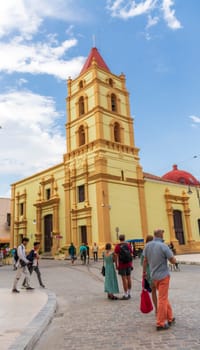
[[39, 58], [152, 21], [22, 81], [169, 15], [26, 16], [195, 119], [127, 9], [30, 138], [130, 8], [17, 16]]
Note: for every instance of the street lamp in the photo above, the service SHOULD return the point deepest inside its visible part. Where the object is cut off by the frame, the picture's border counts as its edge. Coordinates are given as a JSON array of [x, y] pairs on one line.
[[197, 193]]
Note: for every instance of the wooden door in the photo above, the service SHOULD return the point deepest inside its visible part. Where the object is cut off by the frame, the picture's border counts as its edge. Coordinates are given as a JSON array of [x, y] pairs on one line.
[[48, 232], [83, 234], [178, 226]]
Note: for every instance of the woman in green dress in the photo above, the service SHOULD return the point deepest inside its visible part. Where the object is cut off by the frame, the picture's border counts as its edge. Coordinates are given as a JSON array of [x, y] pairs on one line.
[[111, 282]]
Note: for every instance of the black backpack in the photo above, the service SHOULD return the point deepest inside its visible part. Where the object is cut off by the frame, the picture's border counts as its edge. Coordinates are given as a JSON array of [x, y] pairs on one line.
[[31, 255], [125, 254], [15, 255]]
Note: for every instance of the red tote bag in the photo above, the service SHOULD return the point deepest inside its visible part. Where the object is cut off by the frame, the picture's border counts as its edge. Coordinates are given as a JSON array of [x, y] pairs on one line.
[[146, 305]]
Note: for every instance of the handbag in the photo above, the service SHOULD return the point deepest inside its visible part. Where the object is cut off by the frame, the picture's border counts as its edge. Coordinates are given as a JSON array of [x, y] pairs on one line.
[[147, 286], [103, 270], [146, 305]]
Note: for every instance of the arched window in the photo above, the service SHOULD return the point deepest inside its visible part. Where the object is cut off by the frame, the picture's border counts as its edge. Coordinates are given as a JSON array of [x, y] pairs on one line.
[[81, 105], [113, 103], [116, 128], [81, 132]]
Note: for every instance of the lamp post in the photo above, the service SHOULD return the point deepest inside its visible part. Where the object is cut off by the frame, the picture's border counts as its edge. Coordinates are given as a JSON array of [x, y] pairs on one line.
[[197, 193]]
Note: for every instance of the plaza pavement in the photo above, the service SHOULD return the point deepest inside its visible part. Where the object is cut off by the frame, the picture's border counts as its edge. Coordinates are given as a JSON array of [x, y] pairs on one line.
[[25, 316]]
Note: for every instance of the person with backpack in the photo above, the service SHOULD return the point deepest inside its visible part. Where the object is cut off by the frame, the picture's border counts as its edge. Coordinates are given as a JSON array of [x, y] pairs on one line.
[[21, 265], [33, 257], [83, 252], [124, 264], [72, 252]]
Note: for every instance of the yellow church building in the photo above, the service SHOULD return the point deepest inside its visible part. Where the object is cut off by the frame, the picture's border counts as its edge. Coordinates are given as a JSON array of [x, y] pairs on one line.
[[99, 189]]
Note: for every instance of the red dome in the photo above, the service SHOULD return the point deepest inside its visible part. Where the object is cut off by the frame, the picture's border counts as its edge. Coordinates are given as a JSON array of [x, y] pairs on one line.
[[180, 176]]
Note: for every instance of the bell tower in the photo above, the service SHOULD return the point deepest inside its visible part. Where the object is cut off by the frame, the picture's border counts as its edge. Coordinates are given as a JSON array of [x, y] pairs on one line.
[[104, 187]]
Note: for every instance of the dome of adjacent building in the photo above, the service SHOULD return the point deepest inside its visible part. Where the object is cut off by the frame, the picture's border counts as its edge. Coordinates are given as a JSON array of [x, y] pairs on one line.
[[180, 176]]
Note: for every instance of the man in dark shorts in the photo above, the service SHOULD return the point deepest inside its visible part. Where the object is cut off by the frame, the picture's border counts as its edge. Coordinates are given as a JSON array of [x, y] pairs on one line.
[[124, 265]]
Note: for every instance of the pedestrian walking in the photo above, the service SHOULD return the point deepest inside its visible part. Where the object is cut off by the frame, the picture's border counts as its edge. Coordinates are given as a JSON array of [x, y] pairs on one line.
[[124, 265], [72, 252], [83, 253], [88, 253], [1, 257], [111, 282], [21, 265], [95, 249], [156, 254], [33, 256]]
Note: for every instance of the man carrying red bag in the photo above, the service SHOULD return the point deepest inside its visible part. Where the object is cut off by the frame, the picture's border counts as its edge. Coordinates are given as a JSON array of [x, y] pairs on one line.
[[156, 254]]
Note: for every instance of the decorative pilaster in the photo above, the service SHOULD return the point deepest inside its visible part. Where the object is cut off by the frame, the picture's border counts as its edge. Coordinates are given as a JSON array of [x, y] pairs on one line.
[[187, 217]]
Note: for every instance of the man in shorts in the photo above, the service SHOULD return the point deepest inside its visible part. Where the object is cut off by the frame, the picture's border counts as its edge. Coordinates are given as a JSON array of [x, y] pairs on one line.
[[124, 265]]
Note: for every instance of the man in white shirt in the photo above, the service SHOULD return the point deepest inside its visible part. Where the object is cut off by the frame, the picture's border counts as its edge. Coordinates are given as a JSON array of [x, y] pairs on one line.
[[33, 256], [22, 266], [95, 251]]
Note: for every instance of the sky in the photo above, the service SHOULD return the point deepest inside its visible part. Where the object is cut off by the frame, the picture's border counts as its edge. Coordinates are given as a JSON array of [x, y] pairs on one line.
[[155, 43]]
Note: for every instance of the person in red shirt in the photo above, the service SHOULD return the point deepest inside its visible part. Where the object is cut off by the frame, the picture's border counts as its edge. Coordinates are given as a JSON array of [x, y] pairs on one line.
[[124, 265]]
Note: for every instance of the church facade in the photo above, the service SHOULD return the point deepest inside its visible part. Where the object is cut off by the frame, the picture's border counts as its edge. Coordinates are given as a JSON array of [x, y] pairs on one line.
[[100, 189]]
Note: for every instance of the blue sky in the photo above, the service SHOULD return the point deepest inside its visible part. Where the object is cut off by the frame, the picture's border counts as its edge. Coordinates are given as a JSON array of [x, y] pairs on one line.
[[155, 43]]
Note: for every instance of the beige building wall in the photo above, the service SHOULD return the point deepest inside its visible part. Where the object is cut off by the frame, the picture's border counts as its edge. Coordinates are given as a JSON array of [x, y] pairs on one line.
[[4, 224], [159, 211], [30, 193], [124, 211]]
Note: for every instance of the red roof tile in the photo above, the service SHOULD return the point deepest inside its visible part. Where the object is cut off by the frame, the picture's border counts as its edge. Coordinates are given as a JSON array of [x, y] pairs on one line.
[[94, 53], [157, 178]]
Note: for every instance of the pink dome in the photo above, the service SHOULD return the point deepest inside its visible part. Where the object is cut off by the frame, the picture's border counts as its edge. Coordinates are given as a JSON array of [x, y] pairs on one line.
[[181, 176]]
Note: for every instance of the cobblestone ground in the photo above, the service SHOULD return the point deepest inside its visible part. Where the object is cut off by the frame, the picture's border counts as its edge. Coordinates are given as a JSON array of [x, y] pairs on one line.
[[87, 320]]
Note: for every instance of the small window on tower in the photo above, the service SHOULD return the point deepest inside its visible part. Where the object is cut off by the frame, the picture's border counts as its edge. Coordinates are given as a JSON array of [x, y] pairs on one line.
[[81, 84], [81, 106], [116, 132], [48, 193], [110, 82], [81, 133], [81, 193], [113, 103]]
